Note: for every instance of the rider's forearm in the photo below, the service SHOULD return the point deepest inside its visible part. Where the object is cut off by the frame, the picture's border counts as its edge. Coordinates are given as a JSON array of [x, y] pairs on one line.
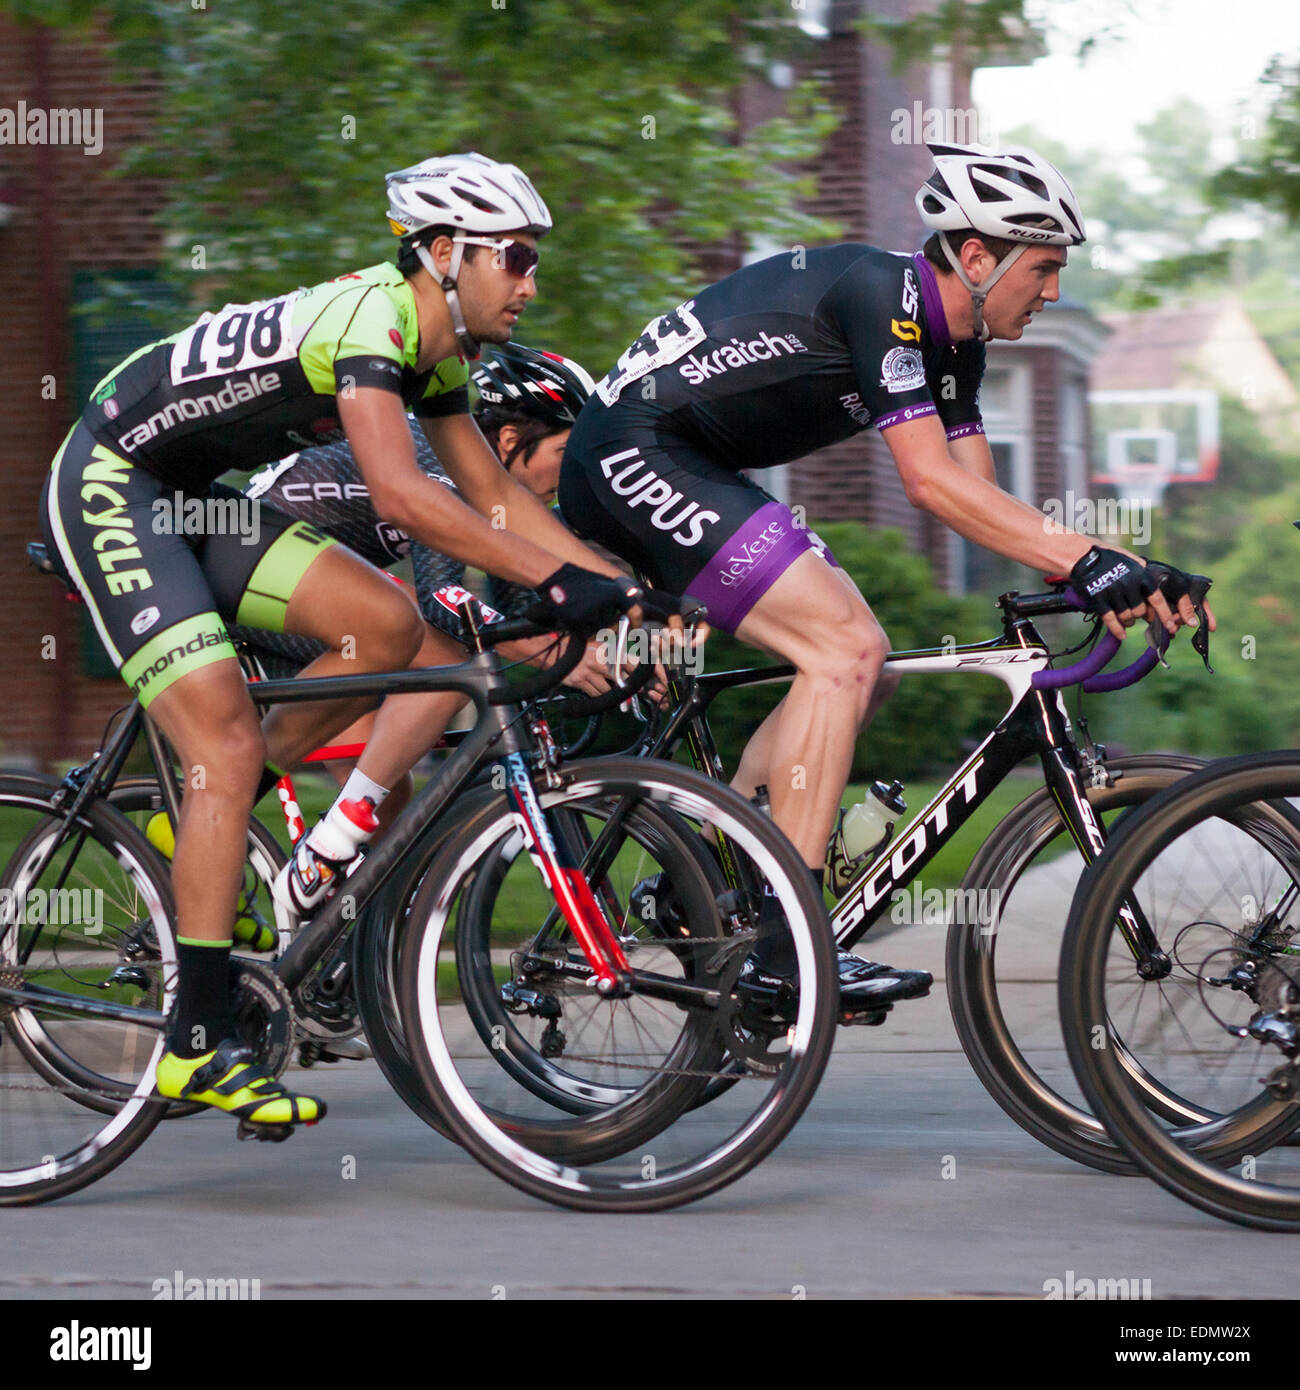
[[983, 513], [436, 517]]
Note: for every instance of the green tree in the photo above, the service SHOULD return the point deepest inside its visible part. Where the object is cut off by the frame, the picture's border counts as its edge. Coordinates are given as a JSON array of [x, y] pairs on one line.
[[1267, 169], [277, 122]]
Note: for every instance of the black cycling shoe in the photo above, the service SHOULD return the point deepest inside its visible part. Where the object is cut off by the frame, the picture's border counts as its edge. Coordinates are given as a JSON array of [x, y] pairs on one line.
[[868, 990]]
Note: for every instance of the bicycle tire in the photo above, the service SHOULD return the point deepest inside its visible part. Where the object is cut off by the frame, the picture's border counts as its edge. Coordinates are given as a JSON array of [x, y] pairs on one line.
[[552, 1159], [1223, 791], [1016, 845], [78, 1141]]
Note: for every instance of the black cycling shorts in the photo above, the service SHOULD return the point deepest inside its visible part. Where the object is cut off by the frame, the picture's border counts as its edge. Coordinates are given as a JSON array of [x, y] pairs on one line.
[[685, 522], [162, 571]]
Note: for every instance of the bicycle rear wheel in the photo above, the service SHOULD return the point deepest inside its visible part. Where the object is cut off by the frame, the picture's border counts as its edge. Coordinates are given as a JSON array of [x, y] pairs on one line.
[[1234, 965], [633, 1066], [85, 919]]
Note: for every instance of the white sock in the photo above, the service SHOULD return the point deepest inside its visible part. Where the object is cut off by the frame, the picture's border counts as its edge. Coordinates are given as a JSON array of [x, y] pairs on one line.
[[359, 785]]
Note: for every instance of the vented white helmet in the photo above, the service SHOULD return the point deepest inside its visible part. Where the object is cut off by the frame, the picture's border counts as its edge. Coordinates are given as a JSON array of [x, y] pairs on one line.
[[1013, 193], [472, 194], [467, 191]]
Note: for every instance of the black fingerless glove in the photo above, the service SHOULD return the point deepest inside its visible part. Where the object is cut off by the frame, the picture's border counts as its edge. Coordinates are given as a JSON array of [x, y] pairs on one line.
[[582, 600], [1111, 582]]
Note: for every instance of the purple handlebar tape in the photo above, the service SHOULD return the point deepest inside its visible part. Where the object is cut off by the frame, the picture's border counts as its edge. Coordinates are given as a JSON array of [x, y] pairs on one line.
[[1088, 671], [1117, 680], [1081, 670]]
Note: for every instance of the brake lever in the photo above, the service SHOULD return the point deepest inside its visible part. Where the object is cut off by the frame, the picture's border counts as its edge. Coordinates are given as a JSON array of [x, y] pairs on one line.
[[1201, 637], [1197, 591]]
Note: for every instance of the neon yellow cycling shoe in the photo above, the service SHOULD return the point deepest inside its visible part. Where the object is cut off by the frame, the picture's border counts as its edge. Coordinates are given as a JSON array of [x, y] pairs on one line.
[[229, 1079], [251, 929]]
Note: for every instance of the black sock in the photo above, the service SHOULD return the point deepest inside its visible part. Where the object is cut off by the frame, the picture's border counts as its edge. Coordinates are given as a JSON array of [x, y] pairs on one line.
[[775, 949], [202, 1017]]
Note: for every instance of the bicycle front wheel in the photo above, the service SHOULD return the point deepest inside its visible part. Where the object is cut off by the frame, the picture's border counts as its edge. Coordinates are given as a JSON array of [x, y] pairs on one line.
[[1229, 975], [1003, 959], [88, 969], [482, 1013]]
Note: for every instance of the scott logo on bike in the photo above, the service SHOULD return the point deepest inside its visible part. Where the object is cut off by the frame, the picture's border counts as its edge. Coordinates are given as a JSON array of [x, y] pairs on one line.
[[877, 887]]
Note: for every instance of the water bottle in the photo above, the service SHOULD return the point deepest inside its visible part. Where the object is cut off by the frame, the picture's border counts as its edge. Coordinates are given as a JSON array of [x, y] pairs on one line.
[[317, 864], [862, 830], [343, 829]]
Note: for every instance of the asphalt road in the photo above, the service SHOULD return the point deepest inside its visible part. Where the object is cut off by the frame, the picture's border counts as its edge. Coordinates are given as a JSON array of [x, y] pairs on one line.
[[903, 1179]]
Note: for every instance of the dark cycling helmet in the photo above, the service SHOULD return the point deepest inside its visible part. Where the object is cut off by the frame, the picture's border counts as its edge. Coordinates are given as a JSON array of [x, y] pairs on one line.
[[527, 381]]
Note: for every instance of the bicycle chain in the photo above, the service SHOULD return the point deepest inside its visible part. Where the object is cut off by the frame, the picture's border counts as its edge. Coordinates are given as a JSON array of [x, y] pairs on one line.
[[10, 978]]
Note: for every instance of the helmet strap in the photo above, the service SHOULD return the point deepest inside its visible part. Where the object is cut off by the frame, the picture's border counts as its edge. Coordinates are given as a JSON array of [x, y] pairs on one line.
[[465, 340], [979, 293]]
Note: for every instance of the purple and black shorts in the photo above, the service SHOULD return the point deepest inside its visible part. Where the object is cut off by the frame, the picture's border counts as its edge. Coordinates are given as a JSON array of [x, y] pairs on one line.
[[683, 521]]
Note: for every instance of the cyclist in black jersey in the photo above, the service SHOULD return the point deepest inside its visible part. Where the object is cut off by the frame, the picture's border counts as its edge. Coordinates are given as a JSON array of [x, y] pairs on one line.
[[799, 351], [527, 403], [251, 382]]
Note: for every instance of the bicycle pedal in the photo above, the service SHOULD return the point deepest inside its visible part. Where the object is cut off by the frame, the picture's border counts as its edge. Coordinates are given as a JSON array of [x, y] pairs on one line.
[[271, 1134], [873, 1018]]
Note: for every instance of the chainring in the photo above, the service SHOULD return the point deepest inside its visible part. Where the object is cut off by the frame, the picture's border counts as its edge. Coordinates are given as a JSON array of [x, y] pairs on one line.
[[263, 1012]]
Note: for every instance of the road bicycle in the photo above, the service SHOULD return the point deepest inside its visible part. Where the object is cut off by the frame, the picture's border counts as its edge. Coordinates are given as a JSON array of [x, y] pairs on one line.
[[1002, 958], [84, 1002], [1228, 952]]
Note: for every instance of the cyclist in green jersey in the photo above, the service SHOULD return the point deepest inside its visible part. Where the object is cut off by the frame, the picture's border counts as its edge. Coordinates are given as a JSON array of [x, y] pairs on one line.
[[255, 381]]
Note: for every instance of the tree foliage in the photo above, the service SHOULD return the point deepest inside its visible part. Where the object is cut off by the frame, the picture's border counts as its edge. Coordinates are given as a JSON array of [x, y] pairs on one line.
[[1267, 169], [278, 122]]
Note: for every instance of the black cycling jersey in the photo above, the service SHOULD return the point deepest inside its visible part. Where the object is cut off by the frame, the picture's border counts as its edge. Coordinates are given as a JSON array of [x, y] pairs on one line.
[[798, 351], [324, 487]]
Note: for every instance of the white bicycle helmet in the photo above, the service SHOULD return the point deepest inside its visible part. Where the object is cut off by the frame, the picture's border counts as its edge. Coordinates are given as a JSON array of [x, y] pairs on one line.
[[470, 193], [1013, 194]]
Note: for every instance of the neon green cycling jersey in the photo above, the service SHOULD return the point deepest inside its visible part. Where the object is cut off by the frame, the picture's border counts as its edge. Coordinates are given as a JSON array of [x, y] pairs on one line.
[[257, 381]]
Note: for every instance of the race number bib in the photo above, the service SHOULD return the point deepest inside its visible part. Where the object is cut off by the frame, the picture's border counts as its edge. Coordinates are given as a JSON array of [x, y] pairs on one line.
[[663, 340], [238, 338]]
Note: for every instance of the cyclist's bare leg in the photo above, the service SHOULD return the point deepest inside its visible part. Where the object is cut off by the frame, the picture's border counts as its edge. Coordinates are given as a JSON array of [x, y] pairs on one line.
[[407, 726], [755, 768], [810, 747], [368, 623], [209, 719]]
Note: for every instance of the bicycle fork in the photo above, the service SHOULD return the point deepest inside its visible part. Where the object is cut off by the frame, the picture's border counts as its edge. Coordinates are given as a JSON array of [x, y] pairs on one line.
[[553, 856], [1062, 772]]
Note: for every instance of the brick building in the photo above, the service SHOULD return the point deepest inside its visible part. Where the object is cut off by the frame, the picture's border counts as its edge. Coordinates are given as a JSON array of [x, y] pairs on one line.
[[65, 223]]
